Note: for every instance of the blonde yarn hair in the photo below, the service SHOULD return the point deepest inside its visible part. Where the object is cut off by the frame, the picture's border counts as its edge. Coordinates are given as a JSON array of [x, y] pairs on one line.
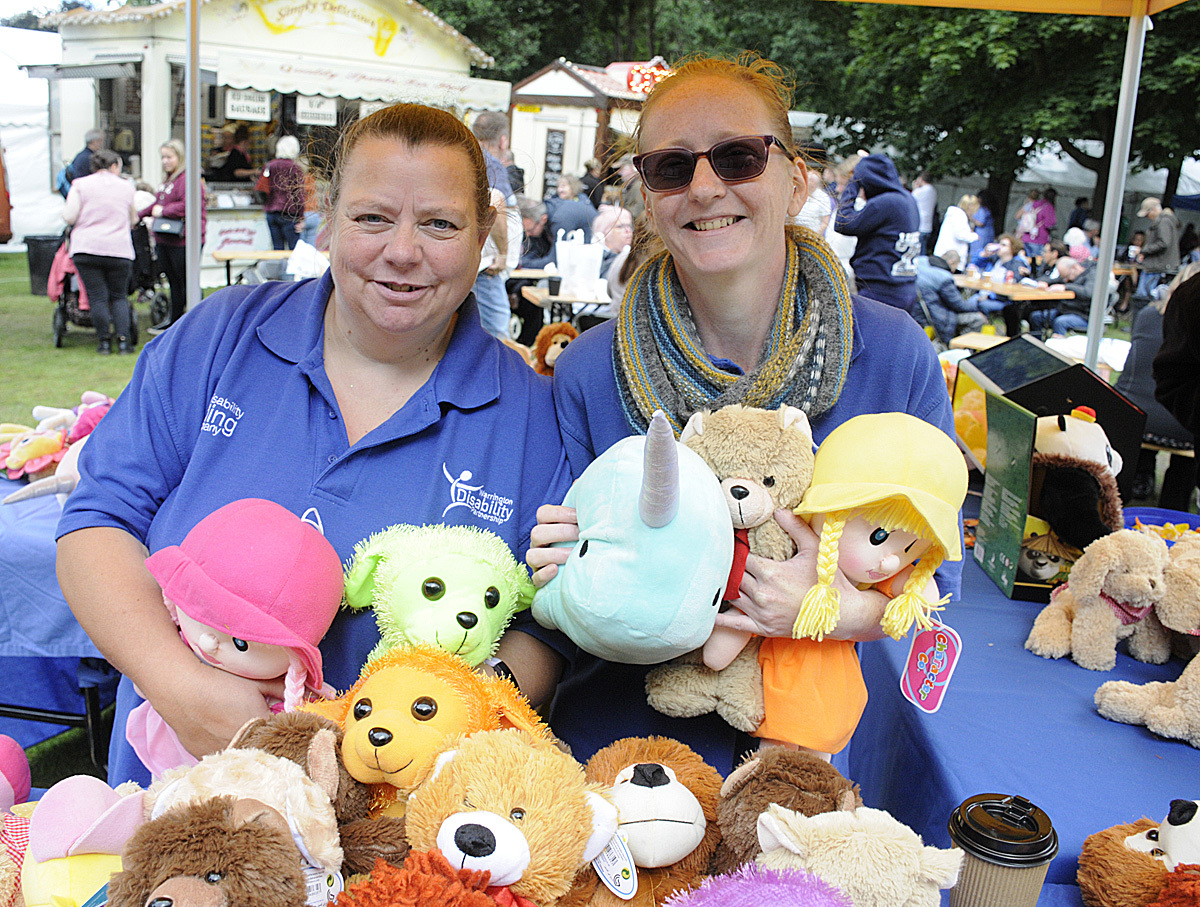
[[820, 607]]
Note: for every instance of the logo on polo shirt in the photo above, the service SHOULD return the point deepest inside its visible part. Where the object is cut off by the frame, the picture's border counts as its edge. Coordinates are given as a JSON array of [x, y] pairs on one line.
[[483, 504], [222, 417]]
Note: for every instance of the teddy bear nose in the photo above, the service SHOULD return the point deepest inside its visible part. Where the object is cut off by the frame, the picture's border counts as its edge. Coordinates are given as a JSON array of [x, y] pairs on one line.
[[379, 736], [739, 492], [466, 619], [649, 774], [475, 840]]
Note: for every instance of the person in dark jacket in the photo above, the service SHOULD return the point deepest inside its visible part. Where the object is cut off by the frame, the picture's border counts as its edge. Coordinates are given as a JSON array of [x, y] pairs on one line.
[[888, 231], [1177, 365], [1071, 314], [1159, 258], [947, 309]]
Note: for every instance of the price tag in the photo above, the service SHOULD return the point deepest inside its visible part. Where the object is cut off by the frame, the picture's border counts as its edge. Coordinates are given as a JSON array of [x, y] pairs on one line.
[[321, 887], [615, 868], [929, 666]]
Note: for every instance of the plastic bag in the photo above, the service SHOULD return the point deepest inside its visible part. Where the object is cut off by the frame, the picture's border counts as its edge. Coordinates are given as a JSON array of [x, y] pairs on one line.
[[579, 264]]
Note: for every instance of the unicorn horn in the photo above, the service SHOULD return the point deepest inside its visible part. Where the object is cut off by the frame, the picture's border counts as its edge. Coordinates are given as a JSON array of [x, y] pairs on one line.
[[659, 500]]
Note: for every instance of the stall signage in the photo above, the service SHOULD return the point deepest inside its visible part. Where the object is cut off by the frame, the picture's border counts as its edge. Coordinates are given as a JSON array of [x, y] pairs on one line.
[[248, 105], [316, 111], [347, 16], [366, 108], [644, 76], [556, 141]]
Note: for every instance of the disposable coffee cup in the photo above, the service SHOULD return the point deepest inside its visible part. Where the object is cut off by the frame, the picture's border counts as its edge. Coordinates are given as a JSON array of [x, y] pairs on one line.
[[554, 284], [1008, 844]]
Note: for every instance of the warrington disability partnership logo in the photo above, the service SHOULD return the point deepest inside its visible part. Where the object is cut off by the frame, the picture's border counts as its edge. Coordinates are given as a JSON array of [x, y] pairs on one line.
[[484, 505]]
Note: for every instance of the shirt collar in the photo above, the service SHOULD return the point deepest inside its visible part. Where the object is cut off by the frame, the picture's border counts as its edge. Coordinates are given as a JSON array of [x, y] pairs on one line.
[[467, 377]]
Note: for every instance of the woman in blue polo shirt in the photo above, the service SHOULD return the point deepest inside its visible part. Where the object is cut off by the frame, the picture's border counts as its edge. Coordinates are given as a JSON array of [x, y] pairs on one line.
[[736, 308], [369, 397]]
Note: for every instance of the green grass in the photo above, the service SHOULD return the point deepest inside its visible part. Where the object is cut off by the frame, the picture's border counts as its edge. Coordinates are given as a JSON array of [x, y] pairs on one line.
[[64, 755], [32, 371]]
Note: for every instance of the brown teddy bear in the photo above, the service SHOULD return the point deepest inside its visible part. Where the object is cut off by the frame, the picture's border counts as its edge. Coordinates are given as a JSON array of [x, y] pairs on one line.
[[1111, 594], [291, 736], [427, 880], [764, 461], [514, 804], [666, 798], [551, 341], [222, 852], [795, 779]]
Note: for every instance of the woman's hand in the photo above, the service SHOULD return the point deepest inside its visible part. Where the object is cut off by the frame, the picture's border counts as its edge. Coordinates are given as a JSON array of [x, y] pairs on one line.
[[771, 592], [206, 706], [556, 523], [156, 211]]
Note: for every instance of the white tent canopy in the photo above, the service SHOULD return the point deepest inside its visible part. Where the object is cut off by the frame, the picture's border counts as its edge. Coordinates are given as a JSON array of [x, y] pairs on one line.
[[25, 134]]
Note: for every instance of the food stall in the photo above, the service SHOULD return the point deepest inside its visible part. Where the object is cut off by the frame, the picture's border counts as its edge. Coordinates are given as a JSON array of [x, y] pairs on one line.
[[277, 67]]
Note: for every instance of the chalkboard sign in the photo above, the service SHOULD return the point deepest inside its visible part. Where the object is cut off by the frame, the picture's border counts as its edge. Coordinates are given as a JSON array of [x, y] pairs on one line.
[[556, 140]]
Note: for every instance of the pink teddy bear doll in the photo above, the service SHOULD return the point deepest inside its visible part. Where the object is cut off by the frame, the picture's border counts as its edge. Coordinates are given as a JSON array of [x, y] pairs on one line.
[[253, 589]]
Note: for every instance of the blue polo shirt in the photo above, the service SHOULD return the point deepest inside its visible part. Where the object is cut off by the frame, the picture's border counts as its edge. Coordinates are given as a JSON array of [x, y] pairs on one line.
[[892, 369], [234, 402]]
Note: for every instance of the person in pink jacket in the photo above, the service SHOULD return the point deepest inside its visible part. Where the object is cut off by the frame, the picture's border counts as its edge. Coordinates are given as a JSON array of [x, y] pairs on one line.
[[100, 208], [170, 205]]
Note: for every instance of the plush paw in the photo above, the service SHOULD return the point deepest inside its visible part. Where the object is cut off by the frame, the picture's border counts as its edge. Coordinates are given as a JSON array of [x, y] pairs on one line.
[[683, 688]]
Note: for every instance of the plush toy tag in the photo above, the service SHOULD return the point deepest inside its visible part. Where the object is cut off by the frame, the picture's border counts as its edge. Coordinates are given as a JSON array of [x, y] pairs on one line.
[[99, 899], [929, 665], [615, 868], [321, 887]]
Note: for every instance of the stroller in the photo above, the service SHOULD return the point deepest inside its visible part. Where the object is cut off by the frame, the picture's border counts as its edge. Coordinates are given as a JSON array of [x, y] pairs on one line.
[[71, 306]]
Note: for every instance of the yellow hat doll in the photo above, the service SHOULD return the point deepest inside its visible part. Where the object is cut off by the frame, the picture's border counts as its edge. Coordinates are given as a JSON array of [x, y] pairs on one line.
[[886, 492]]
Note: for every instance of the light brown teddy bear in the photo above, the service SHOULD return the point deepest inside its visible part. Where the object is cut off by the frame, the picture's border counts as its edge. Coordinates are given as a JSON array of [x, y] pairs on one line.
[[1168, 709], [514, 804], [551, 341], [666, 798], [764, 460], [1111, 594]]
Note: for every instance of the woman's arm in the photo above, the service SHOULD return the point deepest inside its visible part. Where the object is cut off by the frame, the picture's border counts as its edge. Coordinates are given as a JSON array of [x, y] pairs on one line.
[[117, 602], [71, 208]]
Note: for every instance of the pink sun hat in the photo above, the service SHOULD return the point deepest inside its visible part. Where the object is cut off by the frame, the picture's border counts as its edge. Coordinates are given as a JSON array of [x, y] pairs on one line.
[[256, 571]]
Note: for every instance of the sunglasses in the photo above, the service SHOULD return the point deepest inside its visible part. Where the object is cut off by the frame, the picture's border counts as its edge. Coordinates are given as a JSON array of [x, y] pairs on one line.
[[733, 160]]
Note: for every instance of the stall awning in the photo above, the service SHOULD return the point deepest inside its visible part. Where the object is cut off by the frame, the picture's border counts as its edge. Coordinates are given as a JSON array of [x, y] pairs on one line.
[[358, 82], [115, 67], [208, 69]]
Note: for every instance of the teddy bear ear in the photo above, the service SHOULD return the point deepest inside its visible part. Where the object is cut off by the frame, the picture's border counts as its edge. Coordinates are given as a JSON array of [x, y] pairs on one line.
[[941, 867], [604, 825], [322, 762], [245, 729], [774, 834], [738, 777], [793, 417], [440, 763], [694, 427], [247, 810], [360, 580]]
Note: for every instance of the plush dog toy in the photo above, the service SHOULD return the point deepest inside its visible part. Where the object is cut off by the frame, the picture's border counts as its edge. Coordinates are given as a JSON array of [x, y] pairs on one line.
[[794, 779], [1113, 874], [551, 341], [514, 804], [753, 886], [406, 704], [1176, 839], [1111, 594], [454, 587], [298, 736], [764, 461], [1075, 477], [427, 880], [876, 860], [222, 852], [666, 799], [643, 583]]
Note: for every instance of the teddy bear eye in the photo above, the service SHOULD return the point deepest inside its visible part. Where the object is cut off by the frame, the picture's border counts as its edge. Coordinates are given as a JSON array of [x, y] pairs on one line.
[[240, 644], [1152, 834], [517, 814], [769, 481], [424, 708], [433, 588], [213, 878], [491, 597], [362, 709]]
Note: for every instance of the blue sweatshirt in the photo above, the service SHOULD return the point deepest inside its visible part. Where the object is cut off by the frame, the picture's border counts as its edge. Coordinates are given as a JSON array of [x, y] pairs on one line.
[[889, 238]]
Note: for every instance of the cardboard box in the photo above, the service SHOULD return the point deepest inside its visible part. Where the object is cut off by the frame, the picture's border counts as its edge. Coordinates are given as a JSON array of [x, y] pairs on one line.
[[1029, 373]]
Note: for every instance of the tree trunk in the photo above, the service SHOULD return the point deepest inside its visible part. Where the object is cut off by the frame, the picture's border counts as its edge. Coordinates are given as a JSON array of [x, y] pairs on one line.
[[1000, 184], [1172, 182]]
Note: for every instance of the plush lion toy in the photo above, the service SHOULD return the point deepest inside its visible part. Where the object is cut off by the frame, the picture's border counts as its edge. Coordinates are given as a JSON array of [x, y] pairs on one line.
[[551, 341], [666, 798]]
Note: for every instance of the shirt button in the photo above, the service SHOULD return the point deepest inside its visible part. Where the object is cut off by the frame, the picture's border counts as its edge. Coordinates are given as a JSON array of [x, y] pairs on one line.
[[332, 414], [333, 458]]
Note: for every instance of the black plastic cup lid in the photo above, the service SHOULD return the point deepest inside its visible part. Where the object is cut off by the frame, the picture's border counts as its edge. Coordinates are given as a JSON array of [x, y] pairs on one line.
[[1003, 829]]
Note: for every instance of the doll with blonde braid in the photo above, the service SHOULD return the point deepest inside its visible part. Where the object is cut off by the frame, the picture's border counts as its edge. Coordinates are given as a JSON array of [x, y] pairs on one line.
[[884, 500]]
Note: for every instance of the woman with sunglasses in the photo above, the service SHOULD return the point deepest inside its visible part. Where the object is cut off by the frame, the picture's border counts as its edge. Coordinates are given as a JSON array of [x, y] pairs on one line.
[[735, 307]]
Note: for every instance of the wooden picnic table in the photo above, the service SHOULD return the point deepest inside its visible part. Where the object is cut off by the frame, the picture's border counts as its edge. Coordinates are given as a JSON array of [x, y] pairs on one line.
[[1014, 291], [562, 308]]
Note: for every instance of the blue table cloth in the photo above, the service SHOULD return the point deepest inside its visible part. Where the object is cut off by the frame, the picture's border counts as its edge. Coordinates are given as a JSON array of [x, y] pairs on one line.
[[1013, 723], [41, 643]]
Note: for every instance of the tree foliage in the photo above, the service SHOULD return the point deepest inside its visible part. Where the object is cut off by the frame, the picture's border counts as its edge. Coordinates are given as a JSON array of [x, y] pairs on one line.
[[31, 19]]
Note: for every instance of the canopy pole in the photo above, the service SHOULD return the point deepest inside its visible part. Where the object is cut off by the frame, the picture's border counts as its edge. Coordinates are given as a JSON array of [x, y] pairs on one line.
[[1135, 43], [191, 137]]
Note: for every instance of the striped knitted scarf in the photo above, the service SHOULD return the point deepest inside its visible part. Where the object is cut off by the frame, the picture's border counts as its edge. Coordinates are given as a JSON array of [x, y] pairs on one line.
[[661, 364]]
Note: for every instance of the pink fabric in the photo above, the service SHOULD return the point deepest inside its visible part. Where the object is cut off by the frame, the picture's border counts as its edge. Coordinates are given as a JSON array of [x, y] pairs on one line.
[[60, 269], [155, 742], [102, 227]]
